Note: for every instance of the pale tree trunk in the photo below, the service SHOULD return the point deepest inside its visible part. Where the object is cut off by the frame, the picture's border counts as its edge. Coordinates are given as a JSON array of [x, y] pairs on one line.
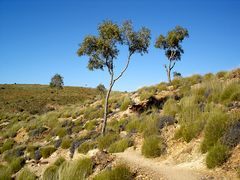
[[106, 106], [112, 81]]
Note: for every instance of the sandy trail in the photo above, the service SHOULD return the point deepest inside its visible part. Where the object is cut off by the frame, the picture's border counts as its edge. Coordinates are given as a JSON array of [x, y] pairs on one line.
[[158, 170]]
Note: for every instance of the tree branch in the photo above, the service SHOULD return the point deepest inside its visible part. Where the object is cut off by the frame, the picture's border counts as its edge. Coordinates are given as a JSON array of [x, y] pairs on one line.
[[120, 75]]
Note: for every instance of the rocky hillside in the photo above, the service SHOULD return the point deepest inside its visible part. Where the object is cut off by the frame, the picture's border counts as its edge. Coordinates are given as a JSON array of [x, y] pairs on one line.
[[187, 130]]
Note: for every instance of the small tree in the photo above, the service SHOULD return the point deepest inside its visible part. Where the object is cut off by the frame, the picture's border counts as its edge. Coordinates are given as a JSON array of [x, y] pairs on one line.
[[101, 89], [171, 44], [57, 81], [177, 74], [103, 50]]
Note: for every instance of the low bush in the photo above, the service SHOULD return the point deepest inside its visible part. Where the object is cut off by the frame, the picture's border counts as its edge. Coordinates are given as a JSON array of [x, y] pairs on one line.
[[134, 124], [105, 141], [120, 172], [91, 125], [5, 173], [33, 151], [93, 113], [16, 164], [61, 131], [59, 161], [214, 129], [47, 151], [13, 153], [120, 145], [117, 125], [66, 142], [231, 138], [217, 155], [26, 174], [8, 144], [221, 74], [171, 108], [231, 92], [126, 102], [51, 173], [152, 146], [165, 121], [81, 169], [86, 146]]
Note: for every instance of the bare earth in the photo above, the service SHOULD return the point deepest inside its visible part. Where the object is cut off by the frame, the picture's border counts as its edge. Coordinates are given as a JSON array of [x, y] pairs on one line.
[[154, 170]]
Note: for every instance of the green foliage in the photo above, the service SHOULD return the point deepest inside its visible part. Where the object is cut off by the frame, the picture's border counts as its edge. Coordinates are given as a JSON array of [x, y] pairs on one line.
[[16, 164], [105, 141], [47, 151], [57, 81], [13, 153], [126, 102], [147, 92], [8, 144], [134, 124], [86, 146], [76, 170], [51, 173], [231, 92], [170, 108], [59, 161], [152, 146], [66, 142], [171, 44], [101, 89], [26, 174], [117, 125], [5, 173], [120, 172], [120, 145], [93, 113], [221, 74], [61, 131], [191, 119], [91, 125], [214, 129], [31, 149], [217, 155]]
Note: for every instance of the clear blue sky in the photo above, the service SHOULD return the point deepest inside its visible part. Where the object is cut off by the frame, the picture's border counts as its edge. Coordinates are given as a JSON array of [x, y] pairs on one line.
[[39, 38]]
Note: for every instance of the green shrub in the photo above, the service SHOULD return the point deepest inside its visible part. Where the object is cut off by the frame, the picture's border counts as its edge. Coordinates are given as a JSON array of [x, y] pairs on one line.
[[16, 164], [51, 173], [79, 168], [66, 142], [8, 144], [231, 92], [120, 145], [152, 146], [147, 92], [117, 125], [120, 172], [217, 155], [90, 125], [93, 113], [221, 74], [31, 149], [171, 108], [194, 79], [61, 132], [59, 161], [26, 174], [134, 124], [151, 124], [5, 173], [86, 146], [214, 129], [126, 102], [47, 151], [105, 141]]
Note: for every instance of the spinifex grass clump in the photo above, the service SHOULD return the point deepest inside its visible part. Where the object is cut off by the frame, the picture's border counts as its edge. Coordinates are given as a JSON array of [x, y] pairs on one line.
[[152, 146], [217, 155], [26, 174], [120, 172], [120, 145]]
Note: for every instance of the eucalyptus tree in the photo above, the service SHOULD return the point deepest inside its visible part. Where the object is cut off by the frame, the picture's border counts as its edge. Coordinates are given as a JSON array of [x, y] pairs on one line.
[[171, 44], [103, 49], [57, 81]]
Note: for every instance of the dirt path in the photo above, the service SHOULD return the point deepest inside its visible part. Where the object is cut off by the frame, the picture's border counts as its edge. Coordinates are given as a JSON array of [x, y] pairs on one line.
[[151, 169]]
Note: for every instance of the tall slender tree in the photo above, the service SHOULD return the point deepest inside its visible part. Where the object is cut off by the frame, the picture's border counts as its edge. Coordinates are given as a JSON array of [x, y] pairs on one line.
[[102, 50], [171, 44]]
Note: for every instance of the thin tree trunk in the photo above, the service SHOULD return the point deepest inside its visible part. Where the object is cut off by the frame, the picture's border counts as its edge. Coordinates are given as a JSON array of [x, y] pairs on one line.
[[106, 105], [112, 81], [169, 75]]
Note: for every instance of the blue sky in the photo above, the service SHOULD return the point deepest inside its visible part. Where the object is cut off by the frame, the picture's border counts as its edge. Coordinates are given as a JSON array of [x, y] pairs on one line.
[[39, 38]]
